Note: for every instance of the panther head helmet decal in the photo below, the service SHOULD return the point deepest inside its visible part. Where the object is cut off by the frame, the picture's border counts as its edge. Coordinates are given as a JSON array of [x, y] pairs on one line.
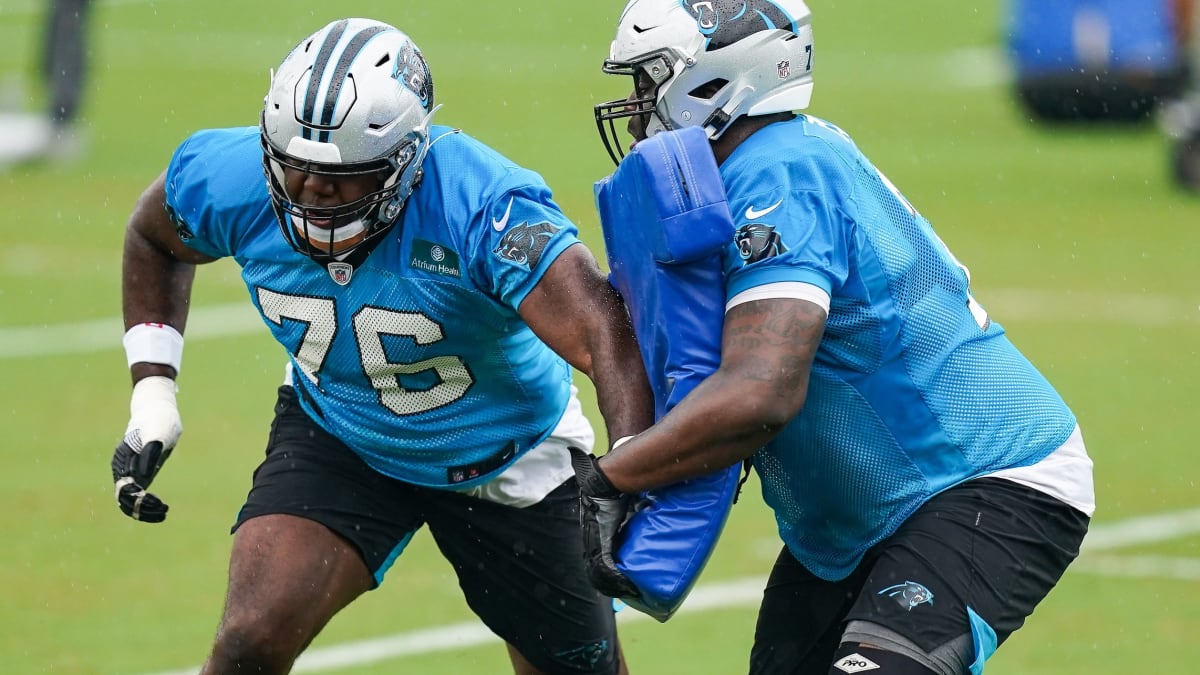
[[725, 22]]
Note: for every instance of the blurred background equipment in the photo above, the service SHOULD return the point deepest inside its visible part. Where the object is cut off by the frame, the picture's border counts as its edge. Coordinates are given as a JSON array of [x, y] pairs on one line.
[[1181, 118], [1098, 60], [52, 136]]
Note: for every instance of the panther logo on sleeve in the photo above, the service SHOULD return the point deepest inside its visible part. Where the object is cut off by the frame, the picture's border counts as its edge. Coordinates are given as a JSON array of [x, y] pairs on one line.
[[524, 243], [758, 242], [724, 22]]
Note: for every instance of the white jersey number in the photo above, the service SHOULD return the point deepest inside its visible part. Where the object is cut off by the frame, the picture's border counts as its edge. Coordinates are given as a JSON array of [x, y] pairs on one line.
[[370, 325]]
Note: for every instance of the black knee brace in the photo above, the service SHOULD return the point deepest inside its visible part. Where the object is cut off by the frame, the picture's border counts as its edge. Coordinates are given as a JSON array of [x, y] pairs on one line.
[[852, 658]]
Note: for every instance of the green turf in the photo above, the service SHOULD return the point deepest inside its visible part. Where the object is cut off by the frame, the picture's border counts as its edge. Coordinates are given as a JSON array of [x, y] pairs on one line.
[[1077, 241]]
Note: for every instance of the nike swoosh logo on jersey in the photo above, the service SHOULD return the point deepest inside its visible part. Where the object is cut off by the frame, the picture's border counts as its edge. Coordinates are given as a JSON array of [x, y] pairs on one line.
[[752, 214], [503, 222]]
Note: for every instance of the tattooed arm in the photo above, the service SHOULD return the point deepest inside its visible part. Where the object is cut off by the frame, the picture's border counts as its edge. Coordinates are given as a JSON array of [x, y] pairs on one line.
[[767, 351]]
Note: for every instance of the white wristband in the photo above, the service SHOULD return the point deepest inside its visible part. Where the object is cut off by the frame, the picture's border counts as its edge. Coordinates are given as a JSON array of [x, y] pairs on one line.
[[617, 443], [154, 343]]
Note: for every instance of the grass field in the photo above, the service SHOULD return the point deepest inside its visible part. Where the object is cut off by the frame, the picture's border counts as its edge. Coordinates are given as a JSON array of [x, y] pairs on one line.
[[1076, 239]]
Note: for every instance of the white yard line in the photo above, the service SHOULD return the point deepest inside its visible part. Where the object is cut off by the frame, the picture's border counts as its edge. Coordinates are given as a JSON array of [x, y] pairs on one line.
[[1142, 530], [1167, 568], [747, 592], [239, 318]]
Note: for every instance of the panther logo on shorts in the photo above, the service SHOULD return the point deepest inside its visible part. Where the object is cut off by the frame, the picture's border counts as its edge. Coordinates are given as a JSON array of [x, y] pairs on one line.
[[909, 594], [586, 656]]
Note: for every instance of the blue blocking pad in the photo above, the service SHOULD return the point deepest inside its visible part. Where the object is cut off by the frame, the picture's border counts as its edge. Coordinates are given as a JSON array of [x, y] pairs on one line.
[[666, 222]]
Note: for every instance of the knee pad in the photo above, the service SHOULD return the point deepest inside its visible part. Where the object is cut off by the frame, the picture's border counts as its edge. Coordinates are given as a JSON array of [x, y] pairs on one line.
[[852, 658]]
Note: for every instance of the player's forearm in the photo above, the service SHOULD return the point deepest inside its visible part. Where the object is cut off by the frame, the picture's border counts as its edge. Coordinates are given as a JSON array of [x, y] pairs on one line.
[[719, 424], [624, 399], [622, 389]]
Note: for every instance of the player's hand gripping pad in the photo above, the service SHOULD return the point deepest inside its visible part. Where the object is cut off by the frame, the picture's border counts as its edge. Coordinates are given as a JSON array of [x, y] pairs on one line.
[[665, 222]]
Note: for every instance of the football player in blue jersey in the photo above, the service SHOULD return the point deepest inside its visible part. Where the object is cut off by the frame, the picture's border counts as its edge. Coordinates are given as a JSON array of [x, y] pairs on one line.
[[433, 299], [929, 485]]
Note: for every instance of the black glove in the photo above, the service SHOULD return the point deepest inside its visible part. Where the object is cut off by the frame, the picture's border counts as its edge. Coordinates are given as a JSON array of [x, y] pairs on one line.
[[133, 470], [603, 510], [153, 431]]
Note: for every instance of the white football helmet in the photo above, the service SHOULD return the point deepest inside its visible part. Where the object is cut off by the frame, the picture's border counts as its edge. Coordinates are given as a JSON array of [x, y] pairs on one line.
[[352, 99], [708, 63]]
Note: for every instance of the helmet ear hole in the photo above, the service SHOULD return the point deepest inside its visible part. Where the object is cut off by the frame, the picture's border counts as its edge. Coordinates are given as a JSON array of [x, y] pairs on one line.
[[709, 89]]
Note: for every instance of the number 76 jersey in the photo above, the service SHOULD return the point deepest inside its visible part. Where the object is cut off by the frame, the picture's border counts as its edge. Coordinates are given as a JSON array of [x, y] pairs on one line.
[[417, 358]]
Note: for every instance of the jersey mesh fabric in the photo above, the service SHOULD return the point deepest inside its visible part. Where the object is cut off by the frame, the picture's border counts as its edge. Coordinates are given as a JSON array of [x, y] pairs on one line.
[[911, 392], [420, 363]]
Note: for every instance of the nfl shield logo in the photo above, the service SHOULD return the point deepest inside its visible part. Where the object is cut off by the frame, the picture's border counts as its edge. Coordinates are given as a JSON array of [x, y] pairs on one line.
[[340, 272], [785, 68]]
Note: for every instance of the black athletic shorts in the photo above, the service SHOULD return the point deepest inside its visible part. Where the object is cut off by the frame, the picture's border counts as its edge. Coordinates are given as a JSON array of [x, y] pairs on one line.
[[990, 545], [520, 569]]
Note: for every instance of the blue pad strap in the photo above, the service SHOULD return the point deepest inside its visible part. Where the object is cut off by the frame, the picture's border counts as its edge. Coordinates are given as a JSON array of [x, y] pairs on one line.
[[666, 222]]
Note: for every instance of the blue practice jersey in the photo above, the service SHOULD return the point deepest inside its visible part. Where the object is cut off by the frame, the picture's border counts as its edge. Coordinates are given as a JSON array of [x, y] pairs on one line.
[[418, 359], [914, 388]]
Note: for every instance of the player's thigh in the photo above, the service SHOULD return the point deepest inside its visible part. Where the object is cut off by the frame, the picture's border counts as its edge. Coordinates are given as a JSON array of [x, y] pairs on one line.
[[288, 576], [800, 620], [968, 567], [316, 510], [521, 571]]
